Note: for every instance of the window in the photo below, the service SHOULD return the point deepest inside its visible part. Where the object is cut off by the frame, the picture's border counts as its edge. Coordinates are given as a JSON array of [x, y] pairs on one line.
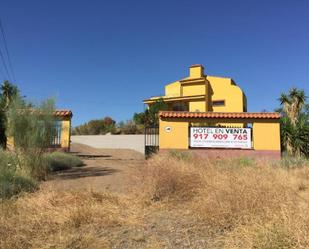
[[218, 103], [56, 136], [180, 106]]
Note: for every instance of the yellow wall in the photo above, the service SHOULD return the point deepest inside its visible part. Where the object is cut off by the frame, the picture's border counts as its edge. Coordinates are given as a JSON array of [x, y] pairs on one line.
[[173, 89], [65, 133], [265, 133], [191, 90], [224, 89], [177, 138], [197, 106], [266, 136], [196, 72]]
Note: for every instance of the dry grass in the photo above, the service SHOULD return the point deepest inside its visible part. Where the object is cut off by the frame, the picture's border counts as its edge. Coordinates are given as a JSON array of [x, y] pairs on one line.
[[165, 179], [247, 204], [61, 220], [190, 203]]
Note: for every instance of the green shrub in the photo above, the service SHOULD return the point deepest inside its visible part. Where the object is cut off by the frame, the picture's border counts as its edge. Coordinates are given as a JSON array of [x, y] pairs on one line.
[[62, 161], [33, 129], [11, 182], [11, 185]]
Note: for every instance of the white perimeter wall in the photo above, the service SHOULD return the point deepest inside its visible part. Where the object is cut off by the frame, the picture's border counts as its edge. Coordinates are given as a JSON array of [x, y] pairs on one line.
[[134, 142]]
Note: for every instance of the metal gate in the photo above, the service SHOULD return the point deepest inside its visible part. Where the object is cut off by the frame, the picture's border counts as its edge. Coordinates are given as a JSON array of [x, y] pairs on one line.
[[151, 141]]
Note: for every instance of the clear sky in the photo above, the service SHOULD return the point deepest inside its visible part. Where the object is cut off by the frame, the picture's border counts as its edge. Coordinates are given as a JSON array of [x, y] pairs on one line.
[[101, 58]]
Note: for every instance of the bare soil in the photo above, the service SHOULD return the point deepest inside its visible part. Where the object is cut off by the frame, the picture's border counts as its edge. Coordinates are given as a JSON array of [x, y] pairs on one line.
[[104, 169]]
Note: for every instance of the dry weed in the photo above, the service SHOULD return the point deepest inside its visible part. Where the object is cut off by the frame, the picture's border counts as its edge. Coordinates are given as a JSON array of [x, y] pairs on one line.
[[60, 220], [165, 178], [191, 202]]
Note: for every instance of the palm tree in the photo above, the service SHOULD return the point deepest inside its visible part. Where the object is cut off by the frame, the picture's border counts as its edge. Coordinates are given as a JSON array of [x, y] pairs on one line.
[[8, 92], [293, 103], [294, 127]]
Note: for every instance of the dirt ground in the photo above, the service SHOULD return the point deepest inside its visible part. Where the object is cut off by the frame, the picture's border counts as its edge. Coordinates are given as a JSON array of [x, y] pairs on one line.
[[104, 169]]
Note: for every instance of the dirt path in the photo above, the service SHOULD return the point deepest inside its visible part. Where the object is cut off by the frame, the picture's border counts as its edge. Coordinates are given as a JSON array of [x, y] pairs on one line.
[[104, 169]]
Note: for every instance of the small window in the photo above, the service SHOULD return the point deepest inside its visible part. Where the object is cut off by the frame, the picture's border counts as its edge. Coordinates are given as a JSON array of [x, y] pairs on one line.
[[218, 103], [180, 106]]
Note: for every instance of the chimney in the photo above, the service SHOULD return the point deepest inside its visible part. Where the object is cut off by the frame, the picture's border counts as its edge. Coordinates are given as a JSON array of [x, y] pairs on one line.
[[196, 71]]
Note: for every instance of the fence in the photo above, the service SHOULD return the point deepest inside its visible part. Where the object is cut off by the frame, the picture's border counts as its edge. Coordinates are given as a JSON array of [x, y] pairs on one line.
[[151, 141]]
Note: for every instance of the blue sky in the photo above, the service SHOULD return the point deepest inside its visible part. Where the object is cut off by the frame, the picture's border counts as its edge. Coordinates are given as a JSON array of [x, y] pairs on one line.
[[102, 58]]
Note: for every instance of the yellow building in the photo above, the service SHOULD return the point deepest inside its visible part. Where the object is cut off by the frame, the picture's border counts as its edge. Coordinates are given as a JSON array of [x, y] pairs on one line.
[[208, 115], [203, 93], [62, 138]]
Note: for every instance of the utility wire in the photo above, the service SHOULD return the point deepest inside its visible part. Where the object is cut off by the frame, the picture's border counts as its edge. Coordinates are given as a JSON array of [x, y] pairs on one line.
[[2, 75], [4, 65], [7, 50]]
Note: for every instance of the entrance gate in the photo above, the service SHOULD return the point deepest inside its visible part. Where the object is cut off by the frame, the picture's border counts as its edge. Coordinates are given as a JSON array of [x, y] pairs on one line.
[[151, 141]]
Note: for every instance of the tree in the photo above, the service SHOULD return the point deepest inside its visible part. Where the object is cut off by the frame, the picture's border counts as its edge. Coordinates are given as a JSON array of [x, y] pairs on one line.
[[139, 118], [8, 93], [293, 103], [95, 127], [294, 123], [150, 116]]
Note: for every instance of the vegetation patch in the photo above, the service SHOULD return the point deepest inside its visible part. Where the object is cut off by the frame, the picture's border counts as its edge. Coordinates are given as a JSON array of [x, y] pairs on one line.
[[62, 161], [12, 182], [11, 185]]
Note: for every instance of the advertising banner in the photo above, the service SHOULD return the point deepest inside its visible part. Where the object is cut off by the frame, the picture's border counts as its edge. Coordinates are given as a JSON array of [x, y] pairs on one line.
[[218, 137]]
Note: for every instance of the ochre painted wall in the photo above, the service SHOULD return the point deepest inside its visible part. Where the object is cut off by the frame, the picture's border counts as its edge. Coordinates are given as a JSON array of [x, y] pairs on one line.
[[176, 138], [265, 133], [266, 136], [224, 89], [65, 133], [196, 72], [197, 106], [173, 89], [191, 90]]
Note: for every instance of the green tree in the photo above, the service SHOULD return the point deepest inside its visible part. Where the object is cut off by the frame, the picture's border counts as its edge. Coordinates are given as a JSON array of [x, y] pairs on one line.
[[95, 127], [294, 122], [8, 92], [292, 103], [33, 130], [150, 116], [139, 118]]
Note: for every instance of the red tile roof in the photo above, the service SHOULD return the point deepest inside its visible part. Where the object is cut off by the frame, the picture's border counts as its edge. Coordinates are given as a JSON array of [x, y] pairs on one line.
[[56, 113], [63, 113], [233, 115]]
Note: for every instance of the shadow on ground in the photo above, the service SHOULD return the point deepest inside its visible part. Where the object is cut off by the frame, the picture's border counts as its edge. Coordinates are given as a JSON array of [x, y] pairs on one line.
[[75, 173]]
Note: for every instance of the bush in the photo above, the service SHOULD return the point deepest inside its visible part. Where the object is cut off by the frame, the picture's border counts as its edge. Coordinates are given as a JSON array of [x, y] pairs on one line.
[[62, 161], [130, 127], [11, 185], [165, 178], [95, 127], [33, 128], [11, 181]]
